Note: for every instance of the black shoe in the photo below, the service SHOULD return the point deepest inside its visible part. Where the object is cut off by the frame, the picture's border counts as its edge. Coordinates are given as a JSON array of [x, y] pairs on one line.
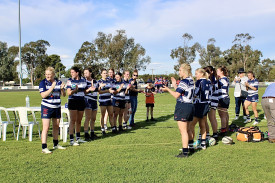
[[114, 130], [153, 119], [215, 137], [120, 129], [103, 132], [87, 137], [191, 151], [93, 137], [181, 155], [147, 119]]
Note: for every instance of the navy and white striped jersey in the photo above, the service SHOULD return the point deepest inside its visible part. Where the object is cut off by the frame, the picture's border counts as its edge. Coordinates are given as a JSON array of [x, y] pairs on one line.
[[202, 91], [121, 94], [104, 97], [53, 100], [214, 89], [186, 89], [111, 80], [126, 83], [223, 86], [254, 83], [92, 95], [82, 86]]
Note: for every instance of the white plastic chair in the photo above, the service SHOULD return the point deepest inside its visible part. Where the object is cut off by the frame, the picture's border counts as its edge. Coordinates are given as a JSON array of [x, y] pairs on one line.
[[64, 124], [22, 117], [4, 124]]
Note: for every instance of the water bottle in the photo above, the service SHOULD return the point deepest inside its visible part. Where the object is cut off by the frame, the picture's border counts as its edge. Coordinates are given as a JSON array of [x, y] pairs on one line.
[[27, 101]]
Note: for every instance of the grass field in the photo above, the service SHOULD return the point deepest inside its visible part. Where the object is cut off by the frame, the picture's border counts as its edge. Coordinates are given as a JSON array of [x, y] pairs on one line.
[[144, 154]]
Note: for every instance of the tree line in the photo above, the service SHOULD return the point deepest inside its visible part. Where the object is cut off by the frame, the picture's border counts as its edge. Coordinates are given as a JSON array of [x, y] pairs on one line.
[[119, 52], [240, 55], [105, 51]]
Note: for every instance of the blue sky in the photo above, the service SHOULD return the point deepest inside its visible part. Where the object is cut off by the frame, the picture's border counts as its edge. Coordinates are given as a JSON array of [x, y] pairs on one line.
[[156, 24]]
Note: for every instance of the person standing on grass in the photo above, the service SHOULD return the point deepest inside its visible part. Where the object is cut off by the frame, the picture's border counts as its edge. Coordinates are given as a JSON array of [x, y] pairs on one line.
[[214, 94], [105, 89], [50, 90], [184, 109], [119, 100], [150, 99], [133, 97], [224, 100], [201, 104], [268, 104], [76, 86], [91, 105], [127, 111], [252, 87], [111, 79], [239, 82]]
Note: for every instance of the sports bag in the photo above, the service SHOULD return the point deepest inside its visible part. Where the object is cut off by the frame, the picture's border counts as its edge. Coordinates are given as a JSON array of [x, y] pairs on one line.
[[249, 134], [244, 94]]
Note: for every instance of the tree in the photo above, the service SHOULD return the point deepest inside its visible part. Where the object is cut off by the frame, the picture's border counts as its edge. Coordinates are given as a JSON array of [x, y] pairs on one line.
[[6, 63], [235, 59], [271, 74], [55, 62], [241, 45], [34, 56], [12, 54], [112, 51], [185, 54], [87, 56], [264, 70], [212, 55]]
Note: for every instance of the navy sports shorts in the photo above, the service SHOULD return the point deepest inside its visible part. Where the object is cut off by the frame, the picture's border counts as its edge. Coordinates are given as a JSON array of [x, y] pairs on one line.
[[150, 105], [78, 105], [91, 104], [201, 109], [48, 113], [119, 103], [106, 103], [184, 112], [224, 102], [254, 98]]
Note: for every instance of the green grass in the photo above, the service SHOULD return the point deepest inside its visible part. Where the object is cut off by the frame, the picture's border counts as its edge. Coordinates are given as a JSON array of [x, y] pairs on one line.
[[144, 154]]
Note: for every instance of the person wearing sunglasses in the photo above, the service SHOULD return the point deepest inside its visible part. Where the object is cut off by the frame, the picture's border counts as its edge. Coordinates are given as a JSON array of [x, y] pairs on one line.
[[133, 97]]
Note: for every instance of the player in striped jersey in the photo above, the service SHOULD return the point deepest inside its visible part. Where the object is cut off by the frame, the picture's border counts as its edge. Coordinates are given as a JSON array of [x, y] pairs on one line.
[[91, 105], [213, 99], [127, 111], [111, 79], [201, 104], [224, 100], [105, 88], [119, 99], [76, 87], [252, 98], [184, 109], [50, 91]]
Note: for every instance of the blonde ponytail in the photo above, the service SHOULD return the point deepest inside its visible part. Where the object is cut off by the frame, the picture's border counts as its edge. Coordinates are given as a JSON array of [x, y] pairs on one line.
[[187, 69]]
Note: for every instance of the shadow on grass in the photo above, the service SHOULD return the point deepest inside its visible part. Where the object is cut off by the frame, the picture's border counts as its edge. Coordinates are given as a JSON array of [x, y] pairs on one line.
[[138, 125]]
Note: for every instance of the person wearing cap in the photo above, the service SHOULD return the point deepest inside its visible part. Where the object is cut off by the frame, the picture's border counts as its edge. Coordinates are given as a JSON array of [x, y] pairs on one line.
[[149, 92], [239, 82], [268, 104]]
